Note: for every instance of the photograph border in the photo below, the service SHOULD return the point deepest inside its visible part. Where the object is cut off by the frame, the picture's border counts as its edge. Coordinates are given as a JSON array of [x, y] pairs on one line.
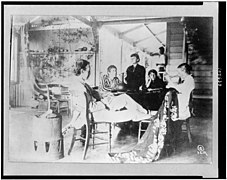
[[11, 169]]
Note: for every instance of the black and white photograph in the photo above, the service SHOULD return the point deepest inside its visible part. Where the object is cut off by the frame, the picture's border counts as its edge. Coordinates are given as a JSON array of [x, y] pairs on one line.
[[102, 84]]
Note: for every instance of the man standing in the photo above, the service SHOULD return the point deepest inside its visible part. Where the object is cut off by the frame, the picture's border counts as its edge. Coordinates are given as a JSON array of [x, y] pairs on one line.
[[135, 74], [162, 61]]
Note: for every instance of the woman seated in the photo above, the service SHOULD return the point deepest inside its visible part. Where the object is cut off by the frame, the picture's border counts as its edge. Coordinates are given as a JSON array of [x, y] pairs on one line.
[[110, 80], [108, 108], [154, 82]]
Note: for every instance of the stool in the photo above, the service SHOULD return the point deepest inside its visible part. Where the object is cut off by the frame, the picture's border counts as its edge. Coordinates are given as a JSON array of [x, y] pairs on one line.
[[47, 137]]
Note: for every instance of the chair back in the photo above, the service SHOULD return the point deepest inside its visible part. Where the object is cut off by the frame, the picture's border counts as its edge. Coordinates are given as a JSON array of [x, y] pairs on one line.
[[191, 103], [88, 126], [40, 88], [88, 115]]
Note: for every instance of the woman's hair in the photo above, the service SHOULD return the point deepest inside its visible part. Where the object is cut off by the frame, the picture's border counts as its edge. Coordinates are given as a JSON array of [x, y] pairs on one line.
[[136, 55], [80, 64], [153, 71], [111, 67], [186, 67]]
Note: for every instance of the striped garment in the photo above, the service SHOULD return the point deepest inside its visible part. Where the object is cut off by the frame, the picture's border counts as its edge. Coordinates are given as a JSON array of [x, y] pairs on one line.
[[108, 84]]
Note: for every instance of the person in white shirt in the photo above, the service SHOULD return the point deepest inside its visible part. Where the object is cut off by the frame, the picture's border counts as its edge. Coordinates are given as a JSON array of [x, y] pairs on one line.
[[184, 88], [162, 60]]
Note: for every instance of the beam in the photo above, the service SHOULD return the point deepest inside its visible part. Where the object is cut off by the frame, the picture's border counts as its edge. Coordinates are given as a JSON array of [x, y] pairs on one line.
[[118, 34], [160, 32], [34, 19], [141, 20], [83, 19], [128, 40], [132, 29], [56, 27], [153, 34], [136, 42]]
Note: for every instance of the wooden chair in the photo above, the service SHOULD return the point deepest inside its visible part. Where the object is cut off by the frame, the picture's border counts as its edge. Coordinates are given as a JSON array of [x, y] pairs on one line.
[[143, 126], [95, 134], [92, 132], [44, 96], [62, 96], [186, 123], [142, 129], [86, 139]]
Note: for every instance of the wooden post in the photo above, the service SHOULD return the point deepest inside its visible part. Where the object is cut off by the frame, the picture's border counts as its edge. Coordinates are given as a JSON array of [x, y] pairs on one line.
[[95, 26], [184, 49], [121, 55], [168, 42]]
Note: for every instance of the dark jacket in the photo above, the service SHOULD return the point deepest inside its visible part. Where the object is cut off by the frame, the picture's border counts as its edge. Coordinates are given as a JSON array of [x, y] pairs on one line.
[[135, 78], [157, 83]]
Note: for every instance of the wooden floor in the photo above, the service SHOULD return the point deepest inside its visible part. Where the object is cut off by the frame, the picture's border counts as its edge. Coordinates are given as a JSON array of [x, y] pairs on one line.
[[21, 147]]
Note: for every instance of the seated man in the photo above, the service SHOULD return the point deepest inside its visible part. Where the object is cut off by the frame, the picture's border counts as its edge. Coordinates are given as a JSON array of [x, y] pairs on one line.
[[108, 108]]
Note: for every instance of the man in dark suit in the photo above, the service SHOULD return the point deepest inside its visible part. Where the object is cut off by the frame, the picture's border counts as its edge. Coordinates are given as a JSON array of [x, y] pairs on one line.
[[135, 74]]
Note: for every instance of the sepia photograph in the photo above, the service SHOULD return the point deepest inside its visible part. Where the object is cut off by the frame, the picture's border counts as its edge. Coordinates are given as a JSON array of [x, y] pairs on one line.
[[109, 87]]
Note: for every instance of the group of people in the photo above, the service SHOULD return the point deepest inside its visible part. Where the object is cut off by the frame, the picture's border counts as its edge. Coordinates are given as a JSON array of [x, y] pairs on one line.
[[135, 79], [107, 106]]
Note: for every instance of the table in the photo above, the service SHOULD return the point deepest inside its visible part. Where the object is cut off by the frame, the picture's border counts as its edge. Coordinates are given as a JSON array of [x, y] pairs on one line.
[[151, 100]]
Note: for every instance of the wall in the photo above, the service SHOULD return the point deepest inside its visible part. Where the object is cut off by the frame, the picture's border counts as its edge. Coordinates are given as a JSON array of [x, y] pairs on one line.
[[56, 51], [175, 49], [200, 54], [110, 51], [115, 51], [68, 39], [50, 55]]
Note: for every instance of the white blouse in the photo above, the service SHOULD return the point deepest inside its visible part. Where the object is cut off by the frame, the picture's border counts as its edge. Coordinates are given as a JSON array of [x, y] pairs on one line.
[[184, 90]]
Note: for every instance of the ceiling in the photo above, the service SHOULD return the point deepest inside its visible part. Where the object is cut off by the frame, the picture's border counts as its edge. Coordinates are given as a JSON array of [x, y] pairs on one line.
[[146, 33]]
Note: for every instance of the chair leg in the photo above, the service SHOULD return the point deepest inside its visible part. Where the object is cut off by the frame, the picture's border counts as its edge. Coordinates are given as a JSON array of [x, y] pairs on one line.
[[87, 138], [139, 133], [188, 131], [93, 136], [72, 144], [68, 109], [58, 107], [110, 136]]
